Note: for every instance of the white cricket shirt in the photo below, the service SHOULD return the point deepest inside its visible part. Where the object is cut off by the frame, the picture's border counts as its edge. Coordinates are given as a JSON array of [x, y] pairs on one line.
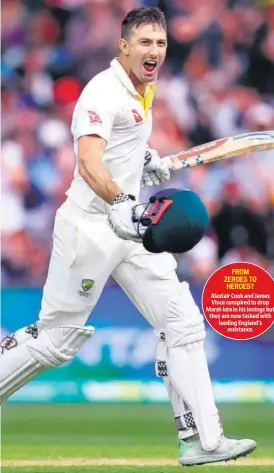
[[110, 107]]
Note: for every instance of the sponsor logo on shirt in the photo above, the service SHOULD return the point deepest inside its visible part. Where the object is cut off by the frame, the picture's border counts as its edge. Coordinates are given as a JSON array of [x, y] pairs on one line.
[[137, 116], [94, 117]]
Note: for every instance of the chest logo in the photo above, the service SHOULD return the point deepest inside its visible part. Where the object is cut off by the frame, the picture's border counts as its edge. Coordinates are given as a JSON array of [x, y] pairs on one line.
[[137, 116]]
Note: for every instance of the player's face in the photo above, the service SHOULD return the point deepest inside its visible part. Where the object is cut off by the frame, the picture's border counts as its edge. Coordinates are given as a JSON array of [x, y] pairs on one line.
[[147, 46]]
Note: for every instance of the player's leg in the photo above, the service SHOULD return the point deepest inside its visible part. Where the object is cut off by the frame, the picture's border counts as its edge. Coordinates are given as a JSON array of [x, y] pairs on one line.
[[132, 275], [85, 251], [183, 416], [151, 283]]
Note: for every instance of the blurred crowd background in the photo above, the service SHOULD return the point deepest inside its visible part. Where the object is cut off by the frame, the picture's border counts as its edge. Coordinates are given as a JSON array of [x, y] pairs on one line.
[[218, 80]]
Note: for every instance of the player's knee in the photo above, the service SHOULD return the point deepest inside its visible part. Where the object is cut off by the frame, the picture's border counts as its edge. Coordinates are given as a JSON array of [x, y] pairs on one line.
[[54, 345], [31, 350], [51, 346], [184, 322]]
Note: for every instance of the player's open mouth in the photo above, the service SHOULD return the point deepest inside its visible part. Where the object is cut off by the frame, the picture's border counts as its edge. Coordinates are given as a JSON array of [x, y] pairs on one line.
[[149, 66]]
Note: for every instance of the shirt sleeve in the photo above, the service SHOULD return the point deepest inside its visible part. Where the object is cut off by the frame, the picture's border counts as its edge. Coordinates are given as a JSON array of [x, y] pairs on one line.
[[94, 113]]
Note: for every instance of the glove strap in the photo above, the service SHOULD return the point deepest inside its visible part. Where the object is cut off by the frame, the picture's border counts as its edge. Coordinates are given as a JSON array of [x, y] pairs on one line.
[[147, 157]]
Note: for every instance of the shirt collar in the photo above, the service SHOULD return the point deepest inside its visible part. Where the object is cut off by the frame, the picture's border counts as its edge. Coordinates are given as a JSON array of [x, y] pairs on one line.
[[124, 78]]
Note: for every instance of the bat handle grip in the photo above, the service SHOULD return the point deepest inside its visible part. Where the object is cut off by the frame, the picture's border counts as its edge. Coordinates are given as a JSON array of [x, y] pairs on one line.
[[173, 162]]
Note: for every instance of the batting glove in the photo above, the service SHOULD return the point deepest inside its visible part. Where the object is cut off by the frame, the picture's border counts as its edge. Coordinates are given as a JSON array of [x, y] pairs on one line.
[[122, 214], [156, 169]]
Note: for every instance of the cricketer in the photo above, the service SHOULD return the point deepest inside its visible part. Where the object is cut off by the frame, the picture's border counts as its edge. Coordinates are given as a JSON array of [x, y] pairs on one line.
[[94, 237]]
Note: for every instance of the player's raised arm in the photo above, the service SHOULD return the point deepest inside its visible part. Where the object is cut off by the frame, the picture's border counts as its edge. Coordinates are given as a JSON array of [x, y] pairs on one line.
[[92, 168]]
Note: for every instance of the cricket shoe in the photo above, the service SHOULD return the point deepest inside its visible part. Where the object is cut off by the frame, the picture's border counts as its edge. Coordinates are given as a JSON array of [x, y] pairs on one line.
[[192, 453]]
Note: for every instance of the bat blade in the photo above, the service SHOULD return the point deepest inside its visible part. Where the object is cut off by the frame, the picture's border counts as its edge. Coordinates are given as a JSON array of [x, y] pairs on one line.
[[223, 148]]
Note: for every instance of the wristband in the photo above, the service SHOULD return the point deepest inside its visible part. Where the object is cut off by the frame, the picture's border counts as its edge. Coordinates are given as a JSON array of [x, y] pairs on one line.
[[122, 198]]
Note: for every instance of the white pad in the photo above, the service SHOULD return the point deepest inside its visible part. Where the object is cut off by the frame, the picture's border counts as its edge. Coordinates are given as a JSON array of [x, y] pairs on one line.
[[187, 365], [188, 371], [183, 416], [32, 349]]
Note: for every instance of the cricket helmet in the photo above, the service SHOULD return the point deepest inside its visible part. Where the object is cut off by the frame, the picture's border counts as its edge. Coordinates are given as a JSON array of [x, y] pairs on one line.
[[176, 221]]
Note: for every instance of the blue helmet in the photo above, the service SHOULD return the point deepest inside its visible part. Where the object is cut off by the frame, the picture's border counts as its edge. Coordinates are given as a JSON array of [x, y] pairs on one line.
[[176, 221]]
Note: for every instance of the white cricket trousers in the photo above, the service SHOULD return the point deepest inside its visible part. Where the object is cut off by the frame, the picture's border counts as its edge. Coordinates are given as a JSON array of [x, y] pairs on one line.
[[86, 248]]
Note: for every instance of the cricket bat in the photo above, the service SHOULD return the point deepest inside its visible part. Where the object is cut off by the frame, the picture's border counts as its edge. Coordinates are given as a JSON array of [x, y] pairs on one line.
[[223, 148]]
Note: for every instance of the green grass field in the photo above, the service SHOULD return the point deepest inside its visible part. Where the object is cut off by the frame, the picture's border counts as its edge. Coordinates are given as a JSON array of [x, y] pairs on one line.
[[124, 438]]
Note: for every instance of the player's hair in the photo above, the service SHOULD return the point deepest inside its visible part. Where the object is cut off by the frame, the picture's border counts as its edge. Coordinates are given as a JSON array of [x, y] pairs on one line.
[[140, 16]]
